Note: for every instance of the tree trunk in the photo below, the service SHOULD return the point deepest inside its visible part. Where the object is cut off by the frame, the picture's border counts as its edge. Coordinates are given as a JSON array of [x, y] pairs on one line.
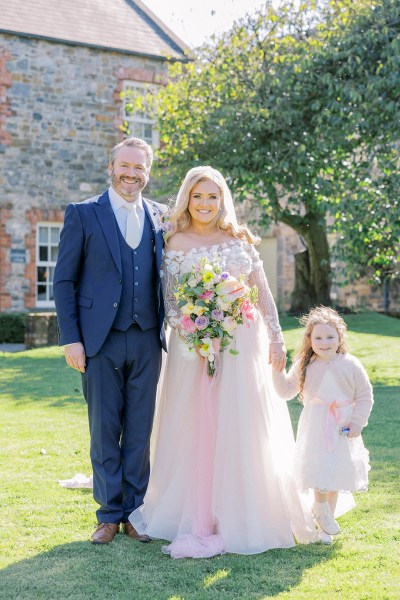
[[312, 268], [303, 294], [320, 266]]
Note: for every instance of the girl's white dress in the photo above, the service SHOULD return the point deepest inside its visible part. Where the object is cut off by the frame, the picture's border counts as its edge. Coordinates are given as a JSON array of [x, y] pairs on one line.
[[335, 394], [220, 478]]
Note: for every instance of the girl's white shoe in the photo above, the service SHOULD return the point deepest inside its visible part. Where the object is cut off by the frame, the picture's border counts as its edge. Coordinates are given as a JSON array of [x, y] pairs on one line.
[[323, 516], [324, 538]]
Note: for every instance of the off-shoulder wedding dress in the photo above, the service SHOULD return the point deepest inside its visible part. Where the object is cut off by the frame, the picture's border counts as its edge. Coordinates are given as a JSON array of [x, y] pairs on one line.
[[220, 478]]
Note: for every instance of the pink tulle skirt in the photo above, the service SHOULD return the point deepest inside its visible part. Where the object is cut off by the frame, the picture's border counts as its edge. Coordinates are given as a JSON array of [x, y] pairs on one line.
[[222, 453]]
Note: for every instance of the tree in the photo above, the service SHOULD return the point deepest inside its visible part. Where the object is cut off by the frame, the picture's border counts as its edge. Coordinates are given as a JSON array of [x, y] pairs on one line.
[[368, 216], [283, 106], [368, 224]]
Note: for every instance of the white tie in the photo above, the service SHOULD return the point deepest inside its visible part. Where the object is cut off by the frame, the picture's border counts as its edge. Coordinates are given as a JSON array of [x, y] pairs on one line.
[[133, 231]]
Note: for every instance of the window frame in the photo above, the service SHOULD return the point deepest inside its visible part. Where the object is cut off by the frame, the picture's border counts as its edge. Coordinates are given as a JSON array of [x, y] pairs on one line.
[[48, 264], [135, 118]]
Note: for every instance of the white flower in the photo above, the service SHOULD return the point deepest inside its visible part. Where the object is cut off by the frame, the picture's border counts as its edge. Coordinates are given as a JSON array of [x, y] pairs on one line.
[[173, 267], [223, 305], [192, 282], [207, 348], [229, 325]]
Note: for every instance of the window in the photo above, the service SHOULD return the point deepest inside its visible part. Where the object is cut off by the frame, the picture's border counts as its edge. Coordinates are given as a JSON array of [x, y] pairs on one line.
[[141, 124], [47, 239]]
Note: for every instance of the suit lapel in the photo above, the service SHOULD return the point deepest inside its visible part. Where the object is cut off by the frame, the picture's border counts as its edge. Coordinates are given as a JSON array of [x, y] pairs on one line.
[[154, 216], [105, 215]]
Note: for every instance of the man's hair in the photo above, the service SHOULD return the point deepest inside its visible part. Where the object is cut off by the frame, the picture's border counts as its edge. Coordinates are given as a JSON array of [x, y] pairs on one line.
[[136, 143]]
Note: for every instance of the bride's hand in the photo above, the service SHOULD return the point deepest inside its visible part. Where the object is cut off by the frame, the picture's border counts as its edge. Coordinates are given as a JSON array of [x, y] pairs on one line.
[[196, 349], [277, 356]]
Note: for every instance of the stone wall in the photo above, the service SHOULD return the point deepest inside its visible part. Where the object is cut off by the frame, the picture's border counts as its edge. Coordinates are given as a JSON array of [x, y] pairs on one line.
[[41, 330], [359, 295], [60, 112]]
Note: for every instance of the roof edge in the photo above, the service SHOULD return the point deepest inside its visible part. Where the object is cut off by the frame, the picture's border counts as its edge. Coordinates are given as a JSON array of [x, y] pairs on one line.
[[178, 44], [97, 46]]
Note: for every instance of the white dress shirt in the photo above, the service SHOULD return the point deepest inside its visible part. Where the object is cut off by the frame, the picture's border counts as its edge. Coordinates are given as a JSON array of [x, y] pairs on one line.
[[121, 210]]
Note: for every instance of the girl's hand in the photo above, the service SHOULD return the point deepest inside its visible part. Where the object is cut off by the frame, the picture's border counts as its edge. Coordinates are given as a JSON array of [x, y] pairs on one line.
[[355, 430], [277, 356]]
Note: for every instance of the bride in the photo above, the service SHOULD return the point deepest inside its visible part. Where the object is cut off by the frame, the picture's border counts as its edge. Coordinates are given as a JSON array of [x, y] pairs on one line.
[[220, 479]]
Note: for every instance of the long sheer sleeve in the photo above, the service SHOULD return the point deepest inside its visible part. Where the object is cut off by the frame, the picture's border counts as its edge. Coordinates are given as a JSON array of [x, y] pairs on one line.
[[168, 282], [266, 303]]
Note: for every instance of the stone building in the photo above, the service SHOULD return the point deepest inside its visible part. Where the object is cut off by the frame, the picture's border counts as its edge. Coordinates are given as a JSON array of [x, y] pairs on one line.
[[63, 66]]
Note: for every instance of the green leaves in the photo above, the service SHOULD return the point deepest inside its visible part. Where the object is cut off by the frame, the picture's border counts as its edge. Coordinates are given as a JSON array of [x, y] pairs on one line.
[[297, 106]]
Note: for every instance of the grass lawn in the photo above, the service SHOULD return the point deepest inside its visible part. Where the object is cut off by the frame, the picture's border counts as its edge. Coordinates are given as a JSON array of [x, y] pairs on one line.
[[44, 552]]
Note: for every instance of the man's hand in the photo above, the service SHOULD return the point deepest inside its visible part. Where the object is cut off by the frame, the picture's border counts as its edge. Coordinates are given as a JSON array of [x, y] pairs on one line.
[[277, 356], [75, 356]]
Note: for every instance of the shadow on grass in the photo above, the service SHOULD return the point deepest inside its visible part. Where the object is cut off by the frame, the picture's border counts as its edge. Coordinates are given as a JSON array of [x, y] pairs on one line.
[[126, 570], [33, 377]]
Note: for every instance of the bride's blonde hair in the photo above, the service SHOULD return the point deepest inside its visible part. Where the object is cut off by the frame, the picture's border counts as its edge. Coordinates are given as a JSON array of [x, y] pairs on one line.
[[179, 218], [321, 315]]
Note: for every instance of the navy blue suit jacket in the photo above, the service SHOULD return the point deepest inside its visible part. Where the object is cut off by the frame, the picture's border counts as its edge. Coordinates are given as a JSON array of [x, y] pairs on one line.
[[87, 277]]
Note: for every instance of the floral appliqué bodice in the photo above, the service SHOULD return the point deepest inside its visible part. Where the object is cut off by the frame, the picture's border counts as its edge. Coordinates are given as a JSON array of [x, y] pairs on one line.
[[235, 256]]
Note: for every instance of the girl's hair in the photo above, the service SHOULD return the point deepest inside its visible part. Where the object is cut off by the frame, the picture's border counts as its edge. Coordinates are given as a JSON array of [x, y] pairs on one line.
[[179, 218], [317, 316]]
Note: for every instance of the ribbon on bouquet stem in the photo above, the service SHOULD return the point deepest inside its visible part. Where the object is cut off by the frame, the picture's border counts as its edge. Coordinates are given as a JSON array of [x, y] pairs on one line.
[[213, 369]]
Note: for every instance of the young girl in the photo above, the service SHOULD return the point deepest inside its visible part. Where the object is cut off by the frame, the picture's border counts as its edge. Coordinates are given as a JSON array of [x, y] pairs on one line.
[[337, 397]]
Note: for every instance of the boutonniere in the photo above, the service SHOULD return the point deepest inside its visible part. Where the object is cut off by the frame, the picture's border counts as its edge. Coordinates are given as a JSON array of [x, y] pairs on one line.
[[165, 223], [156, 216]]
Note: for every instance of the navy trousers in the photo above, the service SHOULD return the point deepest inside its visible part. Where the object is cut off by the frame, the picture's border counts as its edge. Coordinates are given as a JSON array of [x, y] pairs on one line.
[[119, 386]]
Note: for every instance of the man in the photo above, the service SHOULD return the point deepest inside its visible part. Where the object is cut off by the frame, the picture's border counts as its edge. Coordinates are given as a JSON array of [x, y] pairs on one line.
[[110, 315]]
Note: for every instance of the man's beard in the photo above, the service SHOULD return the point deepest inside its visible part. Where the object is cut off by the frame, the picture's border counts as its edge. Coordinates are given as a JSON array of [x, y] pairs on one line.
[[139, 185]]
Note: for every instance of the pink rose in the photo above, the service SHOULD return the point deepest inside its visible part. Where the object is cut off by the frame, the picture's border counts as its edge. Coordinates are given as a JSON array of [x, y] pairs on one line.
[[249, 312], [187, 324]]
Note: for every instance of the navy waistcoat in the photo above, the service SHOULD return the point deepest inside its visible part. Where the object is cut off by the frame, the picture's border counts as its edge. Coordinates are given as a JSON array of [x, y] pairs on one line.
[[139, 296]]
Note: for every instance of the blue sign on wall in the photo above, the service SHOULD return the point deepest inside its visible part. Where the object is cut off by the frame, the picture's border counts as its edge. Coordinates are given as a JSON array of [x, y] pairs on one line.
[[18, 255]]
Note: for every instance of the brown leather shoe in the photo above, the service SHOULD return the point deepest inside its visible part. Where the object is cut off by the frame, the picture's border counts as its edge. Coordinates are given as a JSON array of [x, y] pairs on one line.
[[131, 531], [105, 533]]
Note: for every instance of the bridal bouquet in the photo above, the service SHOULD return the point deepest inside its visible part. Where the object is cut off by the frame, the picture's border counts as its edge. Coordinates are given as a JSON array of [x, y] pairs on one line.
[[213, 303]]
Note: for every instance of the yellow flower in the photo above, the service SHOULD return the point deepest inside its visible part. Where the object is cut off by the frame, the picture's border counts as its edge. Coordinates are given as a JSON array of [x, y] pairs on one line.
[[208, 276], [198, 310], [187, 309], [207, 349]]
